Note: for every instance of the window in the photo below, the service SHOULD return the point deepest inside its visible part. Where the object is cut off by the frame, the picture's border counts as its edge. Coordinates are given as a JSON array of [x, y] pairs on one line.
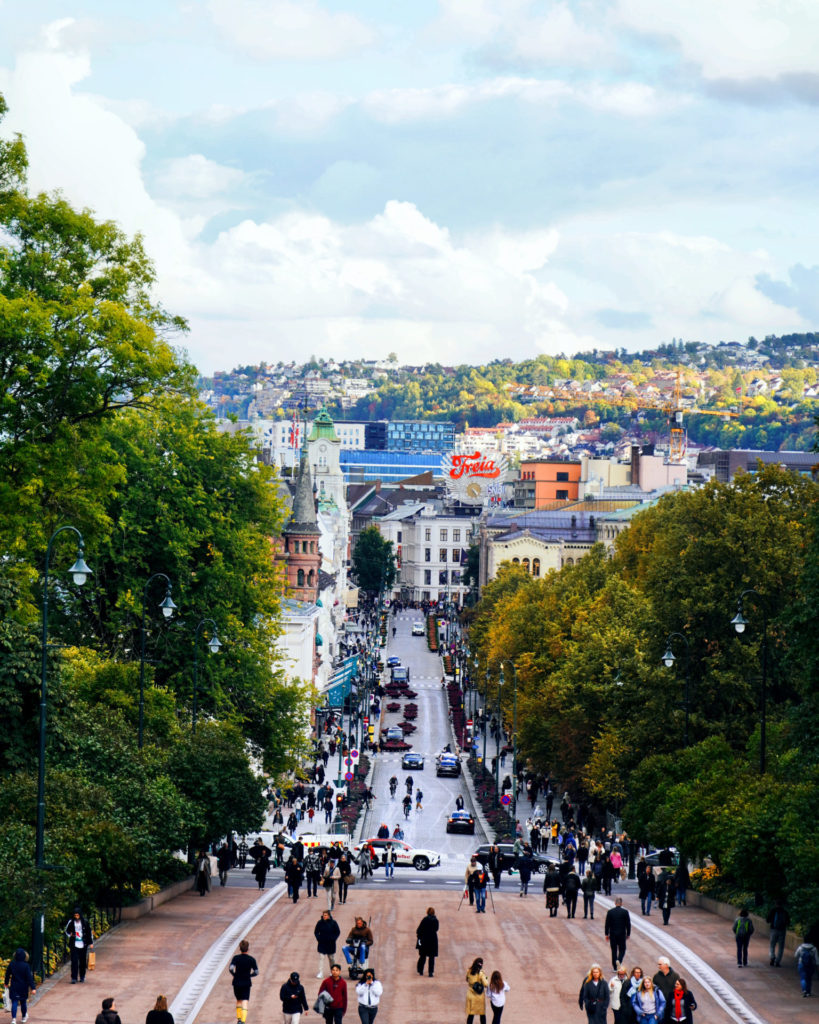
[[442, 578], [443, 534], [427, 534], [311, 578], [526, 564], [563, 477], [425, 595], [456, 555], [515, 561], [427, 577], [312, 547], [562, 495], [536, 567], [300, 578], [399, 536], [442, 555], [456, 536], [427, 554]]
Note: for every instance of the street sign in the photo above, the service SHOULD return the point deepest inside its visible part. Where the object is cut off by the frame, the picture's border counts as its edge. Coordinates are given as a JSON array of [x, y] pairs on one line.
[[354, 754], [349, 777], [506, 799], [469, 723], [366, 719], [348, 761]]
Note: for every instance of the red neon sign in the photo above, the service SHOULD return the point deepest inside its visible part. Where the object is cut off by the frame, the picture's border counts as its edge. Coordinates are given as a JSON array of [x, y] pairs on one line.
[[473, 465]]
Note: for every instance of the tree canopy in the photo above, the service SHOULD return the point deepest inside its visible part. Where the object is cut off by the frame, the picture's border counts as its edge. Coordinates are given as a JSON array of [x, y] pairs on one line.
[[374, 561]]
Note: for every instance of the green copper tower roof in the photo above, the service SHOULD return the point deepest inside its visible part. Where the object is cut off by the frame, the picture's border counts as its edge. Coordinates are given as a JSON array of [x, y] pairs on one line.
[[323, 428]]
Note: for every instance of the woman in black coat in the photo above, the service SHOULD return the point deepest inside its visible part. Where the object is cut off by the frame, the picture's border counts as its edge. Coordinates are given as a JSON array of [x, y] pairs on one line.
[[594, 995], [427, 932]]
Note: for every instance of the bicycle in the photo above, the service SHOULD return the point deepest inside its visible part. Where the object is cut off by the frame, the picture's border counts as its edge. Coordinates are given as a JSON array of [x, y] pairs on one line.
[[407, 808]]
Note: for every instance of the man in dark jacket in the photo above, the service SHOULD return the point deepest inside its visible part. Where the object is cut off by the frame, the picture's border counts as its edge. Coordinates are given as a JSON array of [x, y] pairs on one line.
[[326, 932], [618, 929], [571, 887], [109, 1013], [778, 919], [664, 980], [20, 982], [80, 940], [666, 894], [294, 873], [224, 861], [427, 941], [293, 996]]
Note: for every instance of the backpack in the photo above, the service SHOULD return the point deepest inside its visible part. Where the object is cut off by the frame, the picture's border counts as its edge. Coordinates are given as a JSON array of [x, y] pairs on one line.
[[806, 958], [743, 925]]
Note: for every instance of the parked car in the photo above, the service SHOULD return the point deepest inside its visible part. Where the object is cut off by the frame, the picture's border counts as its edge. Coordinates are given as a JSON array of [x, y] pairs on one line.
[[668, 857], [414, 761], [406, 856], [447, 765], [461, 821], [542, 862], [417, 629]]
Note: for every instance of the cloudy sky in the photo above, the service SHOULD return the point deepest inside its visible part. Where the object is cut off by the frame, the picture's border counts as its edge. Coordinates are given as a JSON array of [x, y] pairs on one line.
[[452, 180]]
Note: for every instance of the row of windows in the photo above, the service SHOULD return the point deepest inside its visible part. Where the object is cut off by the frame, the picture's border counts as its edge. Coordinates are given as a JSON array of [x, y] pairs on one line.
[[311, 578], [442, 557], [443, 535], [443, 576], [534, 569], [299, 546]]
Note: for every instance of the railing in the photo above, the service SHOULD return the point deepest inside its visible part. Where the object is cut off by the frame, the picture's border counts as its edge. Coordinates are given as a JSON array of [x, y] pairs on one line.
[[101, 919]]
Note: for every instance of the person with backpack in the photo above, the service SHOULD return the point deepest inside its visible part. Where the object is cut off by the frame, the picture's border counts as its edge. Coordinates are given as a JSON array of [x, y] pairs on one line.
[[480, 879], [807, 958], [778, 919], [743, 930]]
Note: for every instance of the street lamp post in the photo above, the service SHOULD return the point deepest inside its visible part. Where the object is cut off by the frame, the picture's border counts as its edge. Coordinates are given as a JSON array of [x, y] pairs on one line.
[[739, 622], [483, 717], [168, 608], [668, 660], [514, 740], [79, 572], [497, 748], [213, 646]]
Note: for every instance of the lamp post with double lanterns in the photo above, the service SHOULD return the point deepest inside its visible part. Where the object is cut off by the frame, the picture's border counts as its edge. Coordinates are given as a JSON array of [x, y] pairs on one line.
[[739, 622], [79, 573], [167, 608], [214, 644], [668, 660]]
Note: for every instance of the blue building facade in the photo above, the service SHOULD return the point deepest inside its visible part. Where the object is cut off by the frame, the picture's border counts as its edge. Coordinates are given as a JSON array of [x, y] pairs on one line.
[[389, 466]]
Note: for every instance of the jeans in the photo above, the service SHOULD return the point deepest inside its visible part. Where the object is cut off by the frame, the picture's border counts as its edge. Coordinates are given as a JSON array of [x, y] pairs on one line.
[[367, 1013], [805, 979], [480, 900], [313, 879], [777, 943], [681, 892], [588, 905], [350, 950], [645, 903], [24, 1006], [389, 868]]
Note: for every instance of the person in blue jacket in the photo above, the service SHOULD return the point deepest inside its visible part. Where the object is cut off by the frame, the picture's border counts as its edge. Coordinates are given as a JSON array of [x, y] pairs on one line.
[[648, 1003], [20, 982]]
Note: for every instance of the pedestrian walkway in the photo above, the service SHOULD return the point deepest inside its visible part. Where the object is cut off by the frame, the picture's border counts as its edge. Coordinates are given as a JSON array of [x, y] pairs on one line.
[[543, 959]]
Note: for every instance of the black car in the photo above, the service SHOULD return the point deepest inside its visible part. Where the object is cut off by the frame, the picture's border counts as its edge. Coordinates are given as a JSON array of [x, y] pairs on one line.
[[447, 765], [461, 821], [542, 862]]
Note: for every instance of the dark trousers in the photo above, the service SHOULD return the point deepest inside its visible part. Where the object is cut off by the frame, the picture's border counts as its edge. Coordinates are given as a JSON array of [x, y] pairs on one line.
[[332, 1016], [588, 905], [422, 958], [312, 884], [470, 1016], [571, 903], [618, 949], [79, 960], [742, 949], [666, 914], [496, 1014], [367, 1013]]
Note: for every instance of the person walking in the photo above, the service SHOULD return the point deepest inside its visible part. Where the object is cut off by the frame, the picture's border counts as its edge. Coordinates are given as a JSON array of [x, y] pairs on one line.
[[261, 867], [807, 958], [80, 940], [369, 992], [160, 1013], [312, 872], [345, 874], [743, 930], [331, 877], [336, 987], [594, 995], [108, 1014], [494, 864], [664, 979], [20, 982], [294, 999], [469, 877], [224, 860], [389, 860], [476, 985], [294, 873], [648, 1003], [778, 919], [551, 886], [326, 932], [648, 888], [618, 929], [497, 995], [203, 873], [571, 887], [242, 968], [589, 886], [426, 941], [525, 865], [619, 985], [682, 882], [480, 880], [682, 1004], [665, 894]]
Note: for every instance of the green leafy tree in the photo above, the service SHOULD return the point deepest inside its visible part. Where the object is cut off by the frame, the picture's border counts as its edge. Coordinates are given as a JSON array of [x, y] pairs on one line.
[[374, 561]]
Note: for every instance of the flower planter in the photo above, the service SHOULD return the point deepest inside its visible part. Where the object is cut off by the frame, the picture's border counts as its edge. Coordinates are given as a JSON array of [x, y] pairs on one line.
[[392, 708]]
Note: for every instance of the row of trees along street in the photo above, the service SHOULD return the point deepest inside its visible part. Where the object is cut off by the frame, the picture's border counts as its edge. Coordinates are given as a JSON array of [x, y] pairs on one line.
[[599, 709], [100, 429]]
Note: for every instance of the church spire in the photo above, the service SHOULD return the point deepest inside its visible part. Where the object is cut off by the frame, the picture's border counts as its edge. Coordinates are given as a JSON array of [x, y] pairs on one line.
[[303, 518]]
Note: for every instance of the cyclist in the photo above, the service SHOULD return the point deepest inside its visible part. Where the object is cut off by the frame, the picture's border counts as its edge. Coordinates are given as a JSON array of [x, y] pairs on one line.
[[409, 784], [407, 805], [393, 785]]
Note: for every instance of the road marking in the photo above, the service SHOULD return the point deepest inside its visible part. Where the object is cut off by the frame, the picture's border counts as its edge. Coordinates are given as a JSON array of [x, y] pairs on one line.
[[200, 982]]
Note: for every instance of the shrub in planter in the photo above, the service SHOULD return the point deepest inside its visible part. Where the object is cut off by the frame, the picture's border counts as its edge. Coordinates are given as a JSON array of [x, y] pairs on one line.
[[393, 707], [409, 693], [407, 727], [396, 745]]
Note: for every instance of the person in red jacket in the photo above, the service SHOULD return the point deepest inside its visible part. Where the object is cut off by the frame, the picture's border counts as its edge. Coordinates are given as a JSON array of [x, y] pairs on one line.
[[335, 986]]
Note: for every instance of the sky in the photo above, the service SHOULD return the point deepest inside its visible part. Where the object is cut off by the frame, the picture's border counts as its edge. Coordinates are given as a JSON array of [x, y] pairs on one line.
[[454, 181]]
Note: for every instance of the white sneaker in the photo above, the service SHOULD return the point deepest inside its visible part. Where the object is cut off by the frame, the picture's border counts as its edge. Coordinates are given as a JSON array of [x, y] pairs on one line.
[[24, 1019]]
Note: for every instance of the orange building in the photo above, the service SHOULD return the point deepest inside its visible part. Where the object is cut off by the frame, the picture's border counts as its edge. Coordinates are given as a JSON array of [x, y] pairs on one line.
[[544, 481]]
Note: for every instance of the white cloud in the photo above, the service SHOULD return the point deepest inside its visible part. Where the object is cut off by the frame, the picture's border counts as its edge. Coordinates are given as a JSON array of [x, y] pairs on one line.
[[196, 177], [289, 29], [738, 39]]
